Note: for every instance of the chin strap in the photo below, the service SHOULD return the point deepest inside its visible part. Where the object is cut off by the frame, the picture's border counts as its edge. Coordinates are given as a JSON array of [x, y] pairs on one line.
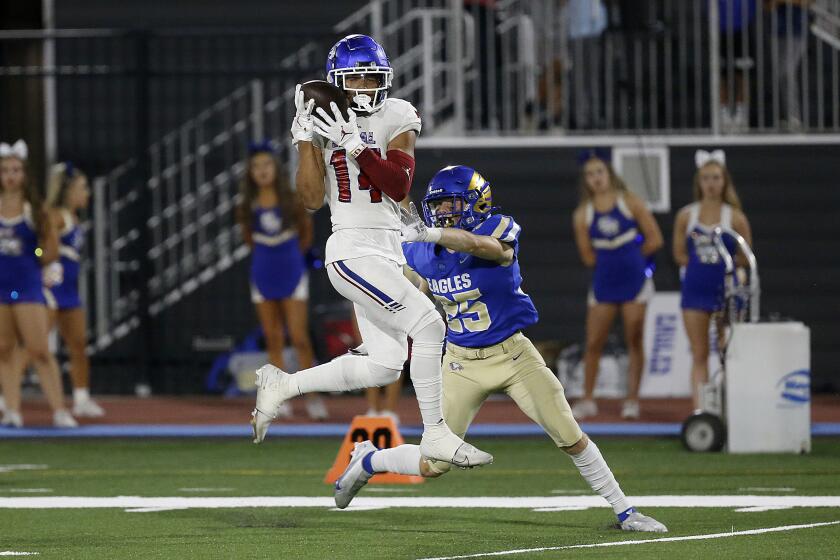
[[363, 101]]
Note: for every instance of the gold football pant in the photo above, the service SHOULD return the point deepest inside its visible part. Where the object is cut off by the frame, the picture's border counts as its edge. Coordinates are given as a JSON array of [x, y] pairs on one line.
[[515, 367]]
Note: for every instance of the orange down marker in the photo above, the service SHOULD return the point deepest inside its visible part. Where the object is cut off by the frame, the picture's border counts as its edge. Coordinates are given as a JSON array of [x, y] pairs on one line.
[[383, 433]]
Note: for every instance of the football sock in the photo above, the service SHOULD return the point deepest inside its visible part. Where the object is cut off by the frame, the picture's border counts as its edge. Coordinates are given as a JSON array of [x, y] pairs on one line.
[[426, 353], [594, 469], [403, 459], [345, 373]]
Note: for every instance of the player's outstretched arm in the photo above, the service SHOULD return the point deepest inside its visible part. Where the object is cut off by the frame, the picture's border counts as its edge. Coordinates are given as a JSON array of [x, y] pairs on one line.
[[482, 246]]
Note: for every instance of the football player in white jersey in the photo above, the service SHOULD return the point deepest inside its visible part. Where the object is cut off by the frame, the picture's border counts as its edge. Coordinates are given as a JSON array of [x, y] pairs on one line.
[[364, 164]]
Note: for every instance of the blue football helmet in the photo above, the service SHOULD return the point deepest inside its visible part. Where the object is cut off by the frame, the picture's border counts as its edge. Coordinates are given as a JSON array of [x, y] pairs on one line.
[[360, 55], [466, 190]]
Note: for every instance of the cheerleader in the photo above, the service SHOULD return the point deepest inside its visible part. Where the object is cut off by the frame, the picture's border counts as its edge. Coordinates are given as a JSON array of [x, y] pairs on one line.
[[279, 231], [715, 204], [67, 195], [27, 240], [615, 234]]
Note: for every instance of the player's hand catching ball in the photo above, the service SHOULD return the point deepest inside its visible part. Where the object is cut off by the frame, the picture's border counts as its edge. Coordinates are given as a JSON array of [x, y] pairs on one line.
[[302, 125], [414, 229], [344, 132]]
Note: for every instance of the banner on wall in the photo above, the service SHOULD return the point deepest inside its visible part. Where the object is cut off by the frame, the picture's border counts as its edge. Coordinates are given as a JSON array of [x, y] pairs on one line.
[[667, 370]]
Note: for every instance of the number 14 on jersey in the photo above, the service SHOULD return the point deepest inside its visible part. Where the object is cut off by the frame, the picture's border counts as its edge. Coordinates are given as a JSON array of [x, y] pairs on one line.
[[338, 161]]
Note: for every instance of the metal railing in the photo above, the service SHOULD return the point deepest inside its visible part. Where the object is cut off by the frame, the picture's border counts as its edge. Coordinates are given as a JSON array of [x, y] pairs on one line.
[[190, 226], [189, 191], [584, 67]]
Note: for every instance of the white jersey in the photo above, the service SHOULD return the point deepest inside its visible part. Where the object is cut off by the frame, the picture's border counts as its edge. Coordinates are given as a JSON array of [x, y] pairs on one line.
[[365, 221]]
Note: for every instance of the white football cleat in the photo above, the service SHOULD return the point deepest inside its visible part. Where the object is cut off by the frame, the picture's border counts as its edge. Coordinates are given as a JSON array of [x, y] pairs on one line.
[[642, 523], [316, 409], [584, 409], [274, 387], [439, 443], [12, 419], [354, 476], [63, 419], [87, 408], [630, 410]]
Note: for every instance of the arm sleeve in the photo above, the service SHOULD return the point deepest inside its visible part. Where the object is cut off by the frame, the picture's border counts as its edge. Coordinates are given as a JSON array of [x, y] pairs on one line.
[[392, 176]]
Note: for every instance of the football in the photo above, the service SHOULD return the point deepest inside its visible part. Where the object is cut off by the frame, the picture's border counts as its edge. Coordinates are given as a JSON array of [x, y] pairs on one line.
[[323, 93]]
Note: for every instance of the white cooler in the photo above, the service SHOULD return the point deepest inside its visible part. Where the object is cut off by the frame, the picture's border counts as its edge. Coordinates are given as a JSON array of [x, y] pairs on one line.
[[768, 388]]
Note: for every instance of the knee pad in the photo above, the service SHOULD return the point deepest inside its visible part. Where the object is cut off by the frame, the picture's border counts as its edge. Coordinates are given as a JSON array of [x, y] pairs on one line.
[[429, 331], [381, 375]]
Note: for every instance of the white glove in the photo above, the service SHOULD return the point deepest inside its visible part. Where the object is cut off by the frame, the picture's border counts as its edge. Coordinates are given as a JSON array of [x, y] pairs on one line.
[[345, 133], [52, 274], [414, 229], [302, 126]]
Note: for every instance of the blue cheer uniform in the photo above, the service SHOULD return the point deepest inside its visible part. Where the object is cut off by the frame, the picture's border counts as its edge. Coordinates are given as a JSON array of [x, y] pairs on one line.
[[621, 274], [71, 243], [703, 278], [483, 300], [277, 264], [20, 268]]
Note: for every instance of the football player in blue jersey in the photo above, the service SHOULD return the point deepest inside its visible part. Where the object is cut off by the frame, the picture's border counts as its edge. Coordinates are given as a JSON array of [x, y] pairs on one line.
[[467, 255]]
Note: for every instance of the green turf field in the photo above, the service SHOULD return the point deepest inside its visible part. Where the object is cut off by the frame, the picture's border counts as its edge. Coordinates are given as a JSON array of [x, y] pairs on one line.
[[523, 468]]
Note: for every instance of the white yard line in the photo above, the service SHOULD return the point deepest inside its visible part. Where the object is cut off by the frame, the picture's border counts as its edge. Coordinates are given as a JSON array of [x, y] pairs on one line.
[[641, 541], [542, 503], [13, 553], [23, 467]]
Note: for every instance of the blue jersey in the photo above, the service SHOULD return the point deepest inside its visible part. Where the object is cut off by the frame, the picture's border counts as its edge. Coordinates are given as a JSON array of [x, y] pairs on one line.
[[620, 267], [20, 268], [483, 300], [277, 263], [70, 245], [702, 285]]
